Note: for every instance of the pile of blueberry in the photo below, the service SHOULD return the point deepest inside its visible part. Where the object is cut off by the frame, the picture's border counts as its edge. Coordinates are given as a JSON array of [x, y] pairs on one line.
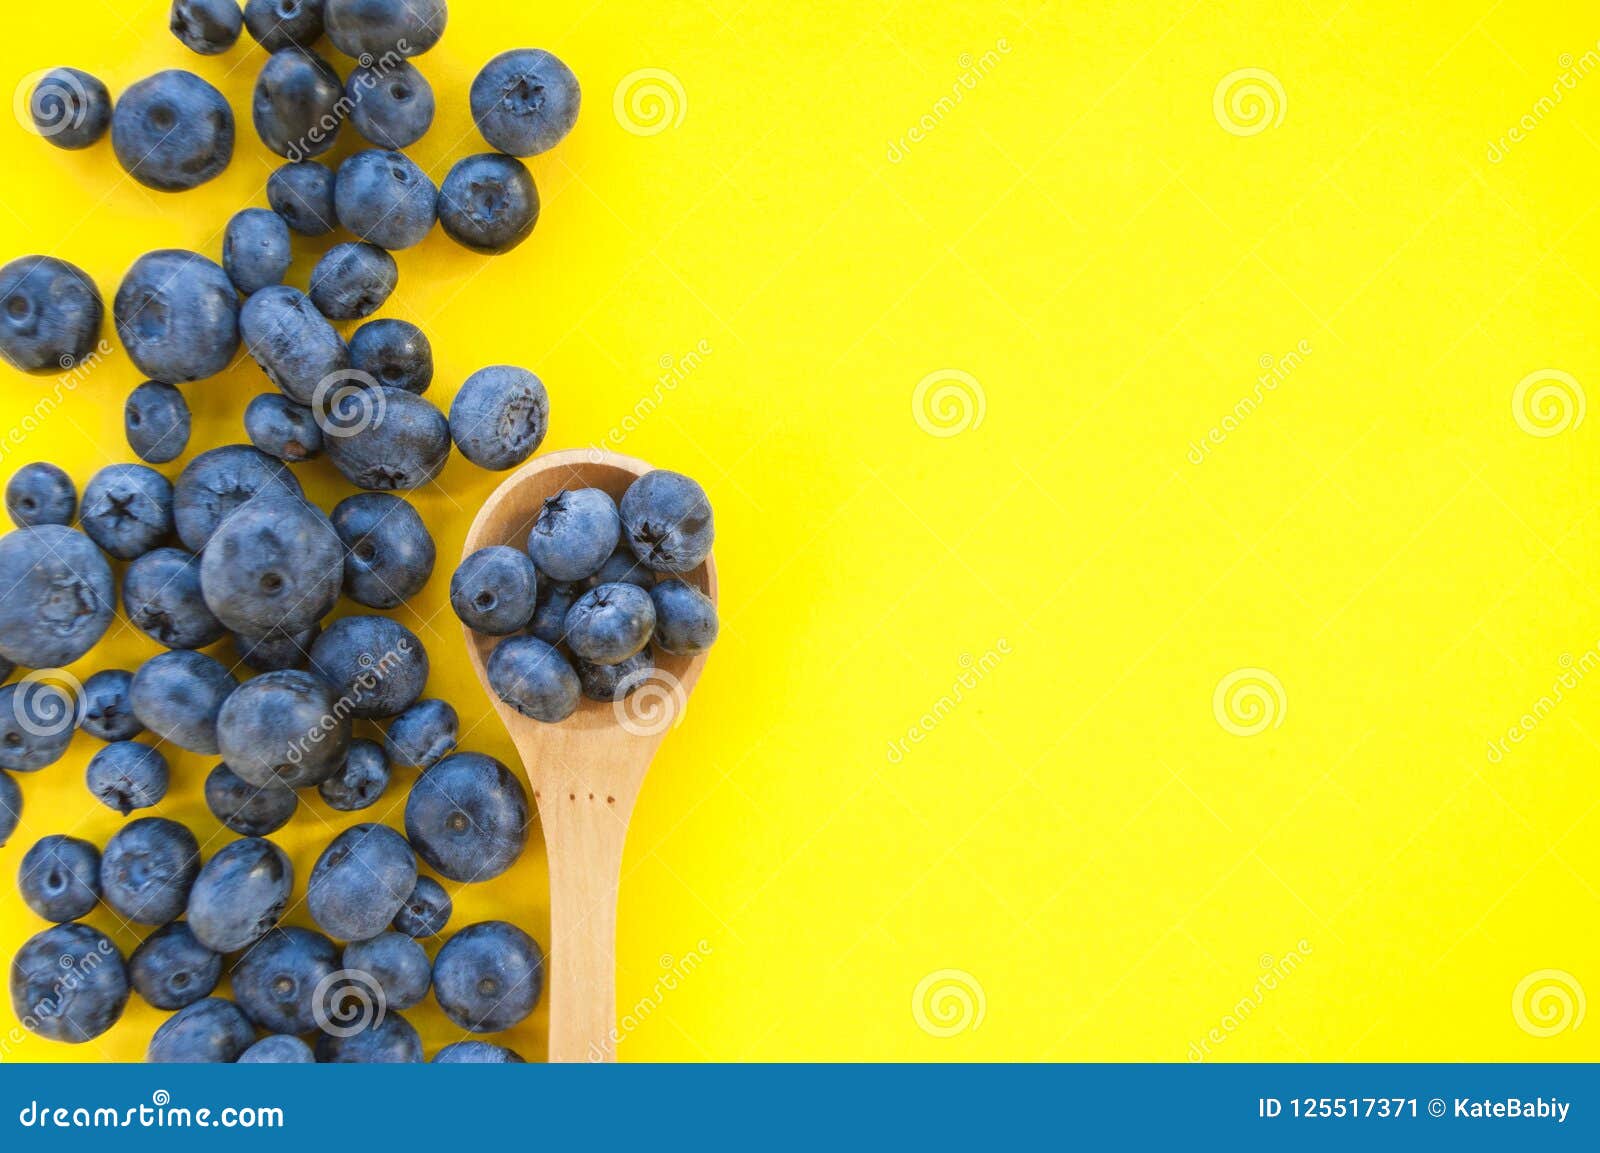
[[233, 553]]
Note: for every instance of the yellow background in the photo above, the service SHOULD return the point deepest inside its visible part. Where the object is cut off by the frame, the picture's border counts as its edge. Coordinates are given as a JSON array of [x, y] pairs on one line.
[[1080, 836]]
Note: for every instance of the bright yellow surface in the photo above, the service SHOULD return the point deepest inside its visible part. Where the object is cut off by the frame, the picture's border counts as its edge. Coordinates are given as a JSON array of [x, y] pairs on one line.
[[1112, 867]]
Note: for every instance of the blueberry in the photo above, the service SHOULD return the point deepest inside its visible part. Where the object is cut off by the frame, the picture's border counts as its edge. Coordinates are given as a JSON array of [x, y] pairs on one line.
[[293, 343], [489, 203], [36, 720], [391, 1040], [171, 969], [575, 532], [622, 567], [686, 619], [127, 509], [384, 198], [302, 193], [468, 817], [271, 652], [396, 963], [125, 775], [477, 1053], [284, 729], [494, 590], [240, 894], [298, 106], [360, 882], [549, 622], [209, 27], [279, 427], [59, 596], [41, 493], [534, 679], [11, 808], [378, 27], [255, 250], [395, 353], [352, 281], [610, 623], [217, 482], [499, 417], [68, 983], [426, 911], [525, 101], [105, 707], [667, 521], [249, 810], [378, 664], [178, 316], [172, 131], [389, 554], [279, 981], [148, 870], [488, 976], [177, 696], [279, 1048], [60, 878], [156, 420], [50, 315], [361, 781], [421, 735], [391, 103], [383, 438], [208, 1032], [274, 566], [278, 24], [613, 682], [70, 108], [161, 595]]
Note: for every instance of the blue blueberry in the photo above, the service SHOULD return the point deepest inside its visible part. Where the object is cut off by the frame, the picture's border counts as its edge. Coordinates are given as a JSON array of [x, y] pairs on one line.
[[278, 982], [279, 427], [293, 343], [610, 623], [127, 509], [161, 595], [219, 481], [426, 911], [477, 1053], [534, 679], [302, 193], [272, 652], [105, 706], [11, 808], [240, 894], [575, 532], [379, 27], [360, 882], [208, 1032], [156, 421], [36, 719], [255, 250], [489, 203], [60, 878], [177, 696], [41, 493], [494, 590], [148, 870], [70, 108], [48, 1000], [613, 682], [376, 664], [209, 27], [666, 520], [178, 316], [391, 103], [686, 619], [59, 596], [622, 567], [274, 566], [50, 315], [352, 281], [556, 599], [525, 101], [279, 24], [383, 438], [421, 735], [488, 977], [395, 353], [125, 775], [390, 1041], [361, 781], [389, 553], [278, 1049], [298, 104], [249, 810], [396, 963], [385, 199], [172, 131], [171, 969], [467, 817], [499, 417], [284, 729]]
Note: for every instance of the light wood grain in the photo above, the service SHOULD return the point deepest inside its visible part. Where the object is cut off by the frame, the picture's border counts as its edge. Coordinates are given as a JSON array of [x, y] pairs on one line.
[[585, 772]]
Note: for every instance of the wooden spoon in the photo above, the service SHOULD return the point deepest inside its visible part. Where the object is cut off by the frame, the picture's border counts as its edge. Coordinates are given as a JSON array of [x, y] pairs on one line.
[[585, 771]]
